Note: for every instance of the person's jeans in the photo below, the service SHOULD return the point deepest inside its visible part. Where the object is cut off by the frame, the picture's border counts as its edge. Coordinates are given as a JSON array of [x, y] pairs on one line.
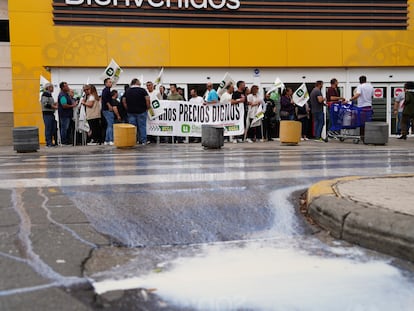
[[109, 117], [140, 121], [318, 121], [50, 128], [64, 127]]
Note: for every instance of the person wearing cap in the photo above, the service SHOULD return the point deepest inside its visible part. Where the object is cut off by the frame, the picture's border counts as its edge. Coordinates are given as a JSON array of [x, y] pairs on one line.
[[48, 111]]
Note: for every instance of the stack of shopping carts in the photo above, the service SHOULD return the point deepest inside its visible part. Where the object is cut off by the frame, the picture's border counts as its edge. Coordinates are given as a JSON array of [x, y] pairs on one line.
[[346, 120]]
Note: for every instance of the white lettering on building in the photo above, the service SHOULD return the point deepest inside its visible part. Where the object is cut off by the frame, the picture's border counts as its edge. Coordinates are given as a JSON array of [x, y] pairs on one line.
[[181, 4]]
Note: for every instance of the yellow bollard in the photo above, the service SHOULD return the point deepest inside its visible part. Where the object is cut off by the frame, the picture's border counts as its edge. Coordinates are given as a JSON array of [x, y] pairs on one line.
[[290, 132], [125, 135]]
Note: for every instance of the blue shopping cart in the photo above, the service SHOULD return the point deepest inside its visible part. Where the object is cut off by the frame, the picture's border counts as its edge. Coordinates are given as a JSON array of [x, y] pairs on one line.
[[346, 121]]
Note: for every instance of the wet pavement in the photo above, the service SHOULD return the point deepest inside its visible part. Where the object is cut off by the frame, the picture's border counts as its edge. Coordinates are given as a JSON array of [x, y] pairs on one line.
[[164, 227]]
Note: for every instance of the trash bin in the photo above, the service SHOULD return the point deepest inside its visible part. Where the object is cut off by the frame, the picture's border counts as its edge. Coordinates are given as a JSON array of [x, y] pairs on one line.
[[125, 135], [26, 139], [290, 131], [376, 133], [212, 136]]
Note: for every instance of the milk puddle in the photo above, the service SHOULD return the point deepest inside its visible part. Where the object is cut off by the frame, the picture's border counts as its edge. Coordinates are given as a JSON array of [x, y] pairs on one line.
[[288, 272]]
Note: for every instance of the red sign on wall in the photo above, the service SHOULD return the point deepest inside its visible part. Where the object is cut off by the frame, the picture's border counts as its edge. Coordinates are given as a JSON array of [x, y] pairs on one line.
[[398, 91], [378, 92]]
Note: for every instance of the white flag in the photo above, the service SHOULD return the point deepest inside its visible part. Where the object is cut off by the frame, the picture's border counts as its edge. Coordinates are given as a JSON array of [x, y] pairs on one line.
[[277, 85], [301, 95], [158, 79], [258, 117], [225, 82], [113, 71]]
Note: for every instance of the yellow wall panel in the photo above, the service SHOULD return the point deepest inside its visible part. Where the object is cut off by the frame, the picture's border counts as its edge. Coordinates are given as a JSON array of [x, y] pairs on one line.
[[30, 5], [258, 48], [26, 96], [373, 48], [22, 32], [26, 62], [313, 48], [76, 47], [199, 47], [139, 47]]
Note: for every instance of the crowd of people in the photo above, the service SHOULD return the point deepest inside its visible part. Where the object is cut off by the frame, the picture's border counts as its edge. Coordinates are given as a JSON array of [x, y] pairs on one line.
[[102, 112]]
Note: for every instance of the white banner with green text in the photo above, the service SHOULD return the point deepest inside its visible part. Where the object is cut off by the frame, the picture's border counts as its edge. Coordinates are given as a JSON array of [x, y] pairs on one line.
[[182, 118]]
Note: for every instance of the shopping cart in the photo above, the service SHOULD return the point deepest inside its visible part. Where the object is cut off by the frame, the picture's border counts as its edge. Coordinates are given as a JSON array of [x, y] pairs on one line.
[[346, 120]]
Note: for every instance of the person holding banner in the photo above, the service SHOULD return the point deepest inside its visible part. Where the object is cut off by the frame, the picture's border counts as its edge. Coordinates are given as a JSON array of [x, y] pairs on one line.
[[239, 96], [254, 102], [211, 96], [138, 102], [195, 100], [153, 94], [270, 121], [108, 112], [287, 106], [162, 92], [174, 95], [48, 110]]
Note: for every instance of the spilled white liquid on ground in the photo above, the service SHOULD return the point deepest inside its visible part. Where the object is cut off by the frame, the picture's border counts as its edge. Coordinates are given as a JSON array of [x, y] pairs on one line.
[[289, 272], [258, 277]]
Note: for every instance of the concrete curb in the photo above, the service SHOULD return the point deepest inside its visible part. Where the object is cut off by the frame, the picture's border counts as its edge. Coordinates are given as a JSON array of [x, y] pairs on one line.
[[376, 228]]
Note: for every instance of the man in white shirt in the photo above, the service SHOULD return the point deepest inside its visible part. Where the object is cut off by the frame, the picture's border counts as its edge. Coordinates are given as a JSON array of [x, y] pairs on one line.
[[226, 97], [364, 94], [197, 100], [152, 92]]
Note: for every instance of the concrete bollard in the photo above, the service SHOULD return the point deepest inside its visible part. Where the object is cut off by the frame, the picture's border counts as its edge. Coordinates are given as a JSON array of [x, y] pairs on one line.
[[26, 139], [125, 135], [212, 136], [376, 133], [290, 131]]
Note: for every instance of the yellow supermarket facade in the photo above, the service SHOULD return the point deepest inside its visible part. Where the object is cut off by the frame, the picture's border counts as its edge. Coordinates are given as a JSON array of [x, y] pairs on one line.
[[46, 34]]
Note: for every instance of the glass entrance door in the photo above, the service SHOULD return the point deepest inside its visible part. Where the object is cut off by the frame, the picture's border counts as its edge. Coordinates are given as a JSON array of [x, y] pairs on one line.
[[383, 103]]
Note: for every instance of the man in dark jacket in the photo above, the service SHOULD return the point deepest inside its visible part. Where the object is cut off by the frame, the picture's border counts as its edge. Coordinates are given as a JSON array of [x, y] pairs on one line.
[[65, 108], [137, 104], [408, 112]]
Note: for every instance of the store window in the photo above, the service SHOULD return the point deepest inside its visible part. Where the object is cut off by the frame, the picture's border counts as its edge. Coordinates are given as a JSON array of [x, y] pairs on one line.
[[4, 31]]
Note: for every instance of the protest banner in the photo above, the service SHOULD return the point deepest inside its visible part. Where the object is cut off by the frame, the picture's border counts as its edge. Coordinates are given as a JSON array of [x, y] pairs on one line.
[[181, 118]]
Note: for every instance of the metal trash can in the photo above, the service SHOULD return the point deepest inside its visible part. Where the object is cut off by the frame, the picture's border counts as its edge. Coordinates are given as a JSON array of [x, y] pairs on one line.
[[26, 139], [376, 133], [125, 135], [290, 132], [212, 136]]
